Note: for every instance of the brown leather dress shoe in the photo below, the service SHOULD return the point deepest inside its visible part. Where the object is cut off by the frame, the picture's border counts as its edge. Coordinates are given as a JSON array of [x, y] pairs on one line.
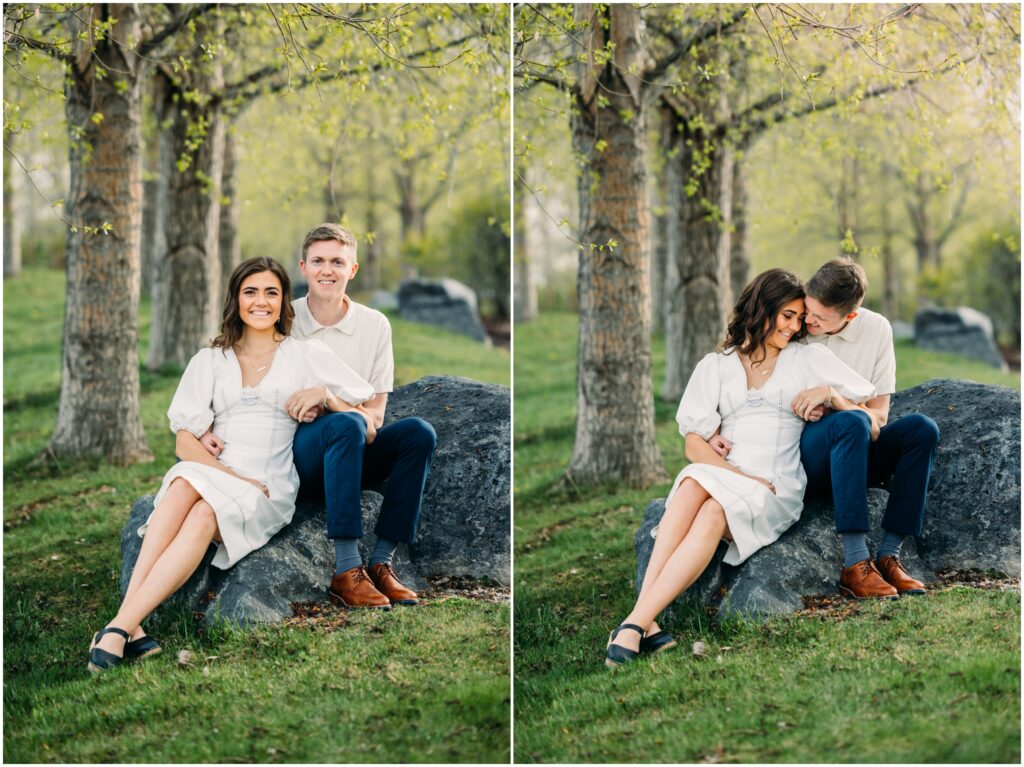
[[354, 589], [386, 580], [896, 575], [863, 581]]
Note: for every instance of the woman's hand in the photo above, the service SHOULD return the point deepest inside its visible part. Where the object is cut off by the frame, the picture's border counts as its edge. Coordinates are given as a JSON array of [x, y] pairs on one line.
[[304, 405], [214, 445], [720, 445], [806, 401]]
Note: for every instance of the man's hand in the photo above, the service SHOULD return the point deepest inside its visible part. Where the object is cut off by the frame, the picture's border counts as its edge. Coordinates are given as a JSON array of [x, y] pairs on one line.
[[806, 401], [258, 485], [876, 427], [765, 482], [304, 405], [214, 445], [720, 445]]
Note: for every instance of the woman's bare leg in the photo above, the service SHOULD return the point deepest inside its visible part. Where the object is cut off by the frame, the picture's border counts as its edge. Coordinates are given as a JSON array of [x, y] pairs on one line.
[[164, 524], [674, 525], [174, 566], [683, 567]]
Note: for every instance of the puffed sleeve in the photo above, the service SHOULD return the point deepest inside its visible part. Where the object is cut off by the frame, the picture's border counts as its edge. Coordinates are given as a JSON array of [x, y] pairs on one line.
[[324, 368], [820, 366], [698, 409], [192, 405]]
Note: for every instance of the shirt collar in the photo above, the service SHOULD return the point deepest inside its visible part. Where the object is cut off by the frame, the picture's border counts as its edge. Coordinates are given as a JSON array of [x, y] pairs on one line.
[[851, 332], [346, 325]]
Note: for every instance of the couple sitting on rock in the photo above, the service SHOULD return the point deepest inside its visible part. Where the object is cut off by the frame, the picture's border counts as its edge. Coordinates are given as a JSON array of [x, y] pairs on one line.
[[318, 371], [767, 418]]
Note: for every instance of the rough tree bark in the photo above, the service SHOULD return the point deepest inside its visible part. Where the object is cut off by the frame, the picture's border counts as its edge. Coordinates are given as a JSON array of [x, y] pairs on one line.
[[98, 413], [700, 294], [615, 404], [659, 250], [847, 205], [187, 291], [740, 247], [525, 291], [410, 212], [12, 210], [230, 246]]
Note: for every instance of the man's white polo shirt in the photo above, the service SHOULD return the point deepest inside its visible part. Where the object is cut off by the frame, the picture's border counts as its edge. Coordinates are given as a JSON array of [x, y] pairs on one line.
[[362, 339], [865, 344]]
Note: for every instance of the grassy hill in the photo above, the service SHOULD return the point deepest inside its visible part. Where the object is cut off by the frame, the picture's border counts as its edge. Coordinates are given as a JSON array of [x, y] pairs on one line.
[[326, 687], [932, 679]]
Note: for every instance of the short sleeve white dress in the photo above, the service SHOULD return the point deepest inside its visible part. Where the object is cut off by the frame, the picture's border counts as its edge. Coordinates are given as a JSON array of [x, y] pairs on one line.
[[765, 437], [257, 435]]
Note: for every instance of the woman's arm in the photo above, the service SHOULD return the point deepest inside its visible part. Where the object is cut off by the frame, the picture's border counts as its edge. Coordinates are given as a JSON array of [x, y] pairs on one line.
[[699, 451], [302, 407]]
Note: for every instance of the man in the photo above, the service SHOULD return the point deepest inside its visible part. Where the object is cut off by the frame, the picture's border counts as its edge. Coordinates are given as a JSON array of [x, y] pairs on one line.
[[338, 454], [845, 452]]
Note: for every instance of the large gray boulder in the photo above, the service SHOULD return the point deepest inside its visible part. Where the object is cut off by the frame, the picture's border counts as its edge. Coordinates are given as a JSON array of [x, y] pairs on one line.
[[972, 518], [445, 303], [464, 527], [964, 331]]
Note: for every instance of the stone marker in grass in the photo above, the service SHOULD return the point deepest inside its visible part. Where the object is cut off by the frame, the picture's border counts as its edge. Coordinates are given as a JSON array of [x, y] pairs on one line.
[[972, 519], [464, 527]]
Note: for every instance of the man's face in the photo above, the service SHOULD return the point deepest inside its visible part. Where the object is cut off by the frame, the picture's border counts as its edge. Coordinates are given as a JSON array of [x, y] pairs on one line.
[[328, 267], [823, 319]]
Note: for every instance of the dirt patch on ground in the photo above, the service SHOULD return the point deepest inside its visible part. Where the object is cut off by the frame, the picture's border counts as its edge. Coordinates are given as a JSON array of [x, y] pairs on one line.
[[328, 617], [837, 607]]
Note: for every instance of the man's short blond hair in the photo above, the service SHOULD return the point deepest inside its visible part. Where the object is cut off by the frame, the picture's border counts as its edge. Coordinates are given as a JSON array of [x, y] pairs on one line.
[[326, 233]]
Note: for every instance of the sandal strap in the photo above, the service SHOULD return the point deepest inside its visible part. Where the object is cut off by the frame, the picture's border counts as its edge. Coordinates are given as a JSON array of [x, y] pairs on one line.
[[632, 626], [113, 630]]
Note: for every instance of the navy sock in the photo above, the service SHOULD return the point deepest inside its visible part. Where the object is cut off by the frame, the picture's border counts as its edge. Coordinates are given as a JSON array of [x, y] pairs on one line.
[[383, 551], [855, 548], [346, 554], [890, 545]]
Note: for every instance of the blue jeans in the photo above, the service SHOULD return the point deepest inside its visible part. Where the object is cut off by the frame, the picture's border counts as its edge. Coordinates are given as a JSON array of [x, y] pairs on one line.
[[333, 459], [842, 461]]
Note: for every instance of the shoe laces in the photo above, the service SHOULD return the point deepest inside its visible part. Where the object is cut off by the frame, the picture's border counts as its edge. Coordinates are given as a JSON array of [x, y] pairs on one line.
[[867, 567], [896, 565]]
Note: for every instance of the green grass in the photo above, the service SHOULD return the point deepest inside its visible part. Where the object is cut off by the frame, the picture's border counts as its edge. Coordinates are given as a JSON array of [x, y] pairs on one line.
[[931, 679], [354, 688]]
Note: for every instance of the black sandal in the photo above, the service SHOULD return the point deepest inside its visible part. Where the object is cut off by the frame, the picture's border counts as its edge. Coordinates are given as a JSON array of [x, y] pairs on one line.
[[143, 647], [658, 641], [101, 660], [616, 655]]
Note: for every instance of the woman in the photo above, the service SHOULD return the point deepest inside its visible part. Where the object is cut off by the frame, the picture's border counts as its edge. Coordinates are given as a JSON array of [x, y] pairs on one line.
[[757, 390], [253, 385]]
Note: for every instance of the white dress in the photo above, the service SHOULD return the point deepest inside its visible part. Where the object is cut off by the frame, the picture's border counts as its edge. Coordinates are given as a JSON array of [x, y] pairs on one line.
[[257, 435], [765, 437]]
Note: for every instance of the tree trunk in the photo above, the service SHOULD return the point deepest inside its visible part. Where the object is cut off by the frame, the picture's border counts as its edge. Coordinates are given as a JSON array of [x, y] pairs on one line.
[[410, 211], [890, 269], [615, 439], [230, 246], [740, 248], [187, 298], [12, 210], [148, 241], [98, 412], [700, 295], [659, 252], [846, 204], [525, 291], [333, 201]]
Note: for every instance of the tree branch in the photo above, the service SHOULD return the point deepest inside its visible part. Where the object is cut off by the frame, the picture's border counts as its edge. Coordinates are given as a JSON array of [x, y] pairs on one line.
[[172, 27], [683, 47]]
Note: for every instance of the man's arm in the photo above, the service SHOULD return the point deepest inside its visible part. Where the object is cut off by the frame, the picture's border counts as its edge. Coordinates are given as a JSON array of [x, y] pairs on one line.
[[375, 406]]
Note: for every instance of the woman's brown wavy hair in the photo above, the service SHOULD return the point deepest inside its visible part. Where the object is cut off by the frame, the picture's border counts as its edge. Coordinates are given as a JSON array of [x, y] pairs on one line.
[[753, 317], [231, 325]]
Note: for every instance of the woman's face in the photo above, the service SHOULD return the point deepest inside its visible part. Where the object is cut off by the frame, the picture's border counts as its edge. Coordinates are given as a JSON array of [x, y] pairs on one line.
[[788, 322], [259, 300]]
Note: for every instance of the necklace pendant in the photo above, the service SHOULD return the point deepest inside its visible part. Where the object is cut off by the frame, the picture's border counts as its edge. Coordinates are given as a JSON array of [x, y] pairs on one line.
[[260, 370]]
